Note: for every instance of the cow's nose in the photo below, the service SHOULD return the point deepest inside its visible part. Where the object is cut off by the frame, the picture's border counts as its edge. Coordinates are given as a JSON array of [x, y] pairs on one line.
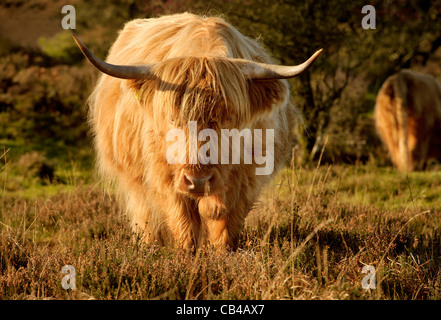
[[198, 184]]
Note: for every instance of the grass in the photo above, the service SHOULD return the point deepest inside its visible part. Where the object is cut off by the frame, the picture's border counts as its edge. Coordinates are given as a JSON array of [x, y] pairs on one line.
[[309, 237]]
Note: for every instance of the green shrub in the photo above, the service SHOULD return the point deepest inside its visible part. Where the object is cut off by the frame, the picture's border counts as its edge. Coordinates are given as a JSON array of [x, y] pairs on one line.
[[60, 47]]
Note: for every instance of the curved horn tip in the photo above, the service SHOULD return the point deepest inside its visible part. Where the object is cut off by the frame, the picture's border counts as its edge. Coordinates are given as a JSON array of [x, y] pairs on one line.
[[316, 54], [80, 44], [75, 37]]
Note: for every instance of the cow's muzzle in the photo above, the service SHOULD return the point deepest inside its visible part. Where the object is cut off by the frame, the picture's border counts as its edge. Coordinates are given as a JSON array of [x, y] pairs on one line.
[[199, 184]]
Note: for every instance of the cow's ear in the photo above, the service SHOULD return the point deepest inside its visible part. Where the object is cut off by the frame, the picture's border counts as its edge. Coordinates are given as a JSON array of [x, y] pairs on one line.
[[141, 89], [135, 84], [266, 94]]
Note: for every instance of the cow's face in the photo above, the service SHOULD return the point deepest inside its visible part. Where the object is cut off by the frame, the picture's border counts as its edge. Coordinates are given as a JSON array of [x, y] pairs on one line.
[[204, 113], [192, 128], [200, 165], [200, 169]]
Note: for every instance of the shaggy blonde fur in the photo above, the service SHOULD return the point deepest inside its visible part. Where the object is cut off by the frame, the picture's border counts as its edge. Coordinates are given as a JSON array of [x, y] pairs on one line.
[[408, 119], [194, 81]]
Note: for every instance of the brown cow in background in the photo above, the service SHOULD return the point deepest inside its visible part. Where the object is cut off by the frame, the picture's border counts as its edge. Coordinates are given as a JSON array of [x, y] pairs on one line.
[[408, 119]]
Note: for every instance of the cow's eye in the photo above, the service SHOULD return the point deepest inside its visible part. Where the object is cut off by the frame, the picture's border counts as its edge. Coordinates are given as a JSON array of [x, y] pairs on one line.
[[173, 122]]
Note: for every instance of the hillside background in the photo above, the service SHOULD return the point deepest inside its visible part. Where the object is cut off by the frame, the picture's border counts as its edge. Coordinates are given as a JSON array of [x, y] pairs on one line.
[[45, 80]]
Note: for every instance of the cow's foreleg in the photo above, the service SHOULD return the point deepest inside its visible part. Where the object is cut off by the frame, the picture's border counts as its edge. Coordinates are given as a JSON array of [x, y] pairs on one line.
[[225, 231]]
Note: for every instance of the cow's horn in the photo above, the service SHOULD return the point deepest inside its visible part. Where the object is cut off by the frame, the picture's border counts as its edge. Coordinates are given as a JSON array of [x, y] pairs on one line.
[[262, 71], [123, 72]]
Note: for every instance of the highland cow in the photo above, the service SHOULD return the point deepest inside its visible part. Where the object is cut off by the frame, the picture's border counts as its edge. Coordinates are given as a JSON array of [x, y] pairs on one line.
[[164, 74], [408, 119]]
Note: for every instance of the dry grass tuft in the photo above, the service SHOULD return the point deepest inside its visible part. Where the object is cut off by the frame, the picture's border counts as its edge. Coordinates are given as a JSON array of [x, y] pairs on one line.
[[308, 238]]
